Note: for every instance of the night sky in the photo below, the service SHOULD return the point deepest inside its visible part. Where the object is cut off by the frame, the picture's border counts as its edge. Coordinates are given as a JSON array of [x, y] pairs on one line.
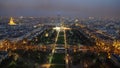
[[62, 7]]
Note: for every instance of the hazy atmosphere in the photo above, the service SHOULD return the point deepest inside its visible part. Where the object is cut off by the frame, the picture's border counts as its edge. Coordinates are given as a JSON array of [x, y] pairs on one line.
[[63, 7]]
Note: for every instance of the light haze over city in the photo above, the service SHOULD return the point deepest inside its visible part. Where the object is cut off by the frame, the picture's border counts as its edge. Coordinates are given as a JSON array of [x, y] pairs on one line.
[[63, 7]]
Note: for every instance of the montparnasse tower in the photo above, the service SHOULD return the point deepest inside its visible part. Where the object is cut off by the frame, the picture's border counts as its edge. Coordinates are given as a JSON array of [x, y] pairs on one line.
[[11, 21]]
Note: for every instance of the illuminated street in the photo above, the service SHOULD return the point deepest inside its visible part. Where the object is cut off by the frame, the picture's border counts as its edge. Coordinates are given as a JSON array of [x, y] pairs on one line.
[[59, 47]]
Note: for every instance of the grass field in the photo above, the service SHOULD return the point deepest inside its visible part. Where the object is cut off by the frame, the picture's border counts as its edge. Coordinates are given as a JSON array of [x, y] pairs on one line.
[[58, 61], [58, 58]]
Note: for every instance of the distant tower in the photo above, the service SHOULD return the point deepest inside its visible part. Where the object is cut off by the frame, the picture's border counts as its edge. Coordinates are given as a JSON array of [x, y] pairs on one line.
[[58, 19], [62, 22], [76, 22], [11, 22]]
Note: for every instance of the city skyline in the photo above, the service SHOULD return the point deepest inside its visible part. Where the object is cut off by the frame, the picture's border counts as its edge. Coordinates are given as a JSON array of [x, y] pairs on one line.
[[59, 34]]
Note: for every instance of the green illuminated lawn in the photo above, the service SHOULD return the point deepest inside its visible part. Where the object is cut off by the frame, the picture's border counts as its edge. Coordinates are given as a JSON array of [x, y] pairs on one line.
[[58, 61], [60, 38], [58, 58], [57, 66]]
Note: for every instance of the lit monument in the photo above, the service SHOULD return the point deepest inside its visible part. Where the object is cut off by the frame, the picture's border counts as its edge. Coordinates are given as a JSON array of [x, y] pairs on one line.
[[11, 22]]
